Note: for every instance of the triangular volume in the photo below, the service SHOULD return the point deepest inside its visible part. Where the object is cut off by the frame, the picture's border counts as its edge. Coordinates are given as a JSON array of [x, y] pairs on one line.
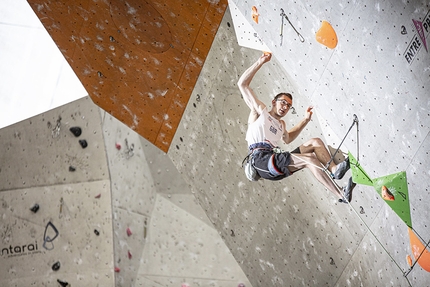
[[359, 176], [395, 185], [245, 33]]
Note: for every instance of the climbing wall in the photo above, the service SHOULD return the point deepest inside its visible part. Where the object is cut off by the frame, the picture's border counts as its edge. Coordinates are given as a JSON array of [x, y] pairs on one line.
[[100, 214], [138, 60], [56, 205], [293, 232]]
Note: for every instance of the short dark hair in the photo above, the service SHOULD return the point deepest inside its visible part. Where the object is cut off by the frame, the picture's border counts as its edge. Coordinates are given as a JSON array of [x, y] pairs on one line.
[[283, 94]]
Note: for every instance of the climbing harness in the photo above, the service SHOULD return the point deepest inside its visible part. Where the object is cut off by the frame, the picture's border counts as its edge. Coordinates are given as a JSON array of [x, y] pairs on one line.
[[283, 15], [248, 162], [250, 171]]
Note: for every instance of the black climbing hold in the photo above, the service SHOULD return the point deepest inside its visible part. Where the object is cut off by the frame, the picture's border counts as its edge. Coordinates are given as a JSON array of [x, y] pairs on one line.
[[76, 131], [96, 232], [83, 143], [62, 283], [35, 208], [72, 168], [56, 266]]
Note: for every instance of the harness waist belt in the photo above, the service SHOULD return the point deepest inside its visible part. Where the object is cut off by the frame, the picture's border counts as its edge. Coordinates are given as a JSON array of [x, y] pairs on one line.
[[261, 145]]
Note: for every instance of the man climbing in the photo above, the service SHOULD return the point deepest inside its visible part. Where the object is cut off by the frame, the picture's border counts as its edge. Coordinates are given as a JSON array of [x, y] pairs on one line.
[[266, 128]]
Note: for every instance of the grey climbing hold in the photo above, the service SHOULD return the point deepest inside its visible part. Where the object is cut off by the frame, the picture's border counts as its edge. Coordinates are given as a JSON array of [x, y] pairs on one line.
[[56, 266], [76, 131], [35, 208], [63, 283], [83, 143]]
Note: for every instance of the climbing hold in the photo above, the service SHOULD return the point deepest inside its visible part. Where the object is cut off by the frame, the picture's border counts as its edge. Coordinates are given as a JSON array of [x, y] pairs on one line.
[[241, 285], [129, 231], [72, 168], [56, 266], [255, 14], [118, 146], [98, 195], [96, 232], [83, 143], [409, 260], [76, 131], [386, 194], [35, 208], [117, 269], [62, 283], [129, 255], [326, 35]]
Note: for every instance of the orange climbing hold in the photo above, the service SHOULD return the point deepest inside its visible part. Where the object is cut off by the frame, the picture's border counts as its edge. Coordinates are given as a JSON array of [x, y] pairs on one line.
[[326, 35], [386, 194], [255, 14], [417, 248], [409, 260]]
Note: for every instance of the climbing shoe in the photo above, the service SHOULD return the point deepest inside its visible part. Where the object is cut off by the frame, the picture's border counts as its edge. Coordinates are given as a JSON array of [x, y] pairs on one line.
[[342, 168], [347, 190]]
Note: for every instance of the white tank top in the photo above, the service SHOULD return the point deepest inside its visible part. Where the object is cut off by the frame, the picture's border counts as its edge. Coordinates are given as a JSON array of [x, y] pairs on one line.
[[265, 128]]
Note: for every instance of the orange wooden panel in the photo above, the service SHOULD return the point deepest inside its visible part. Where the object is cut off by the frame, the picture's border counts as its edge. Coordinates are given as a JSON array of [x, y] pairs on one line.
[[138, 60]]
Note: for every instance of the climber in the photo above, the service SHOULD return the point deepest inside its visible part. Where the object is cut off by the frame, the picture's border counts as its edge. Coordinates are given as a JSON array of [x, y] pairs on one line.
[[266, 129]]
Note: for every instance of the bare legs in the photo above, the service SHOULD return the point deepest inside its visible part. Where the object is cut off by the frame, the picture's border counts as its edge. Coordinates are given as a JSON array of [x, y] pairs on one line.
[[317, 146], [310, 161]]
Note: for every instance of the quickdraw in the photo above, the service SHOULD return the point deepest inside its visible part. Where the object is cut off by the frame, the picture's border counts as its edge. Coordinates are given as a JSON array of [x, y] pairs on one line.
[[283, 15], [354, 122]]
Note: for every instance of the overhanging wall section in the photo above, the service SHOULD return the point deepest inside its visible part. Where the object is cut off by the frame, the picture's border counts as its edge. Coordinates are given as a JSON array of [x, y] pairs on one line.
[[138, 60]]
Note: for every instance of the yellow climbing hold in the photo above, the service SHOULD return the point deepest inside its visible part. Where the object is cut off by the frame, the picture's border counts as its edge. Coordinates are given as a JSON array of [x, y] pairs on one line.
[[326, 35]]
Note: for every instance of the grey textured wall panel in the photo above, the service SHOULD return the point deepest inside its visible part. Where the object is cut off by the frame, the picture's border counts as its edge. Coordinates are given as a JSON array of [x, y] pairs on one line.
[[183, 249], [45, 149], [103, 210], [84, 257], [133, 197]]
